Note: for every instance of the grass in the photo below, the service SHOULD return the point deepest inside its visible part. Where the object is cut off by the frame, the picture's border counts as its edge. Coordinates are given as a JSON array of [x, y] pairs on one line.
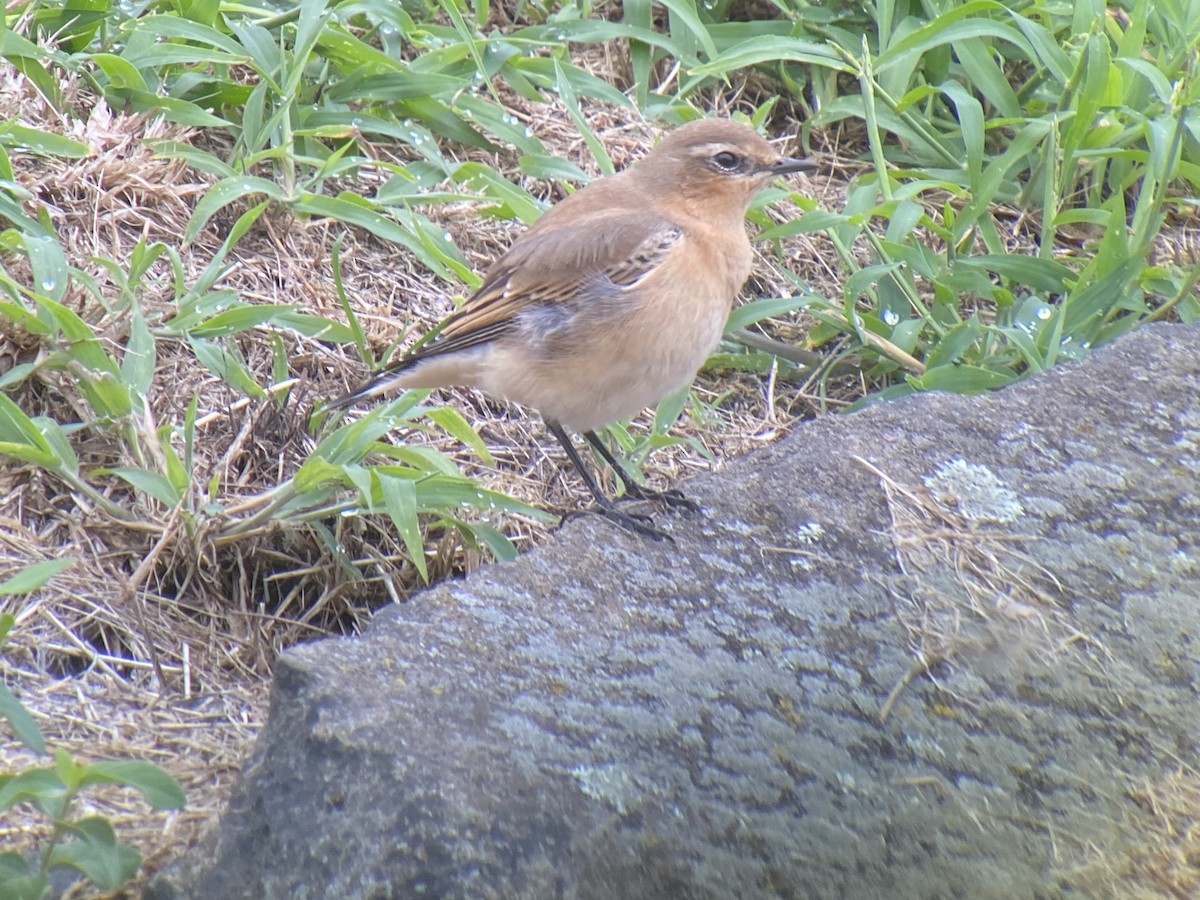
[[88, 844], [217, 214]]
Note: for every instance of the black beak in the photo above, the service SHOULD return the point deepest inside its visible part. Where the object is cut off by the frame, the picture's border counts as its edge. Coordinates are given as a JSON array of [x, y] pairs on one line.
[[788, 166]]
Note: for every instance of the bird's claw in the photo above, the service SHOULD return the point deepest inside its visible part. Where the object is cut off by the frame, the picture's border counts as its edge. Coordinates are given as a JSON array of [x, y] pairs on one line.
[[632, 522], [672, 497]]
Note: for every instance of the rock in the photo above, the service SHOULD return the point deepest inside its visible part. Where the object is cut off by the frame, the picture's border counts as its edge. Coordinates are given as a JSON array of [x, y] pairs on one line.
[[609, 717]]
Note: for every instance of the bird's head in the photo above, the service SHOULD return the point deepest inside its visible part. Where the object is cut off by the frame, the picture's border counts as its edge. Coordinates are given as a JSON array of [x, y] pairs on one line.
[[715, 165]]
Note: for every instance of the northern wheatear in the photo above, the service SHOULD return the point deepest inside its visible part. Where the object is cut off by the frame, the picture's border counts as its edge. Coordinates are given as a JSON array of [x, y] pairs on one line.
[[613, 299]]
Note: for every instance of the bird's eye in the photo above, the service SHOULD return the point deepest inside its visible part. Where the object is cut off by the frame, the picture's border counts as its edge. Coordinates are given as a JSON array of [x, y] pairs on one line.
[[727, 161]]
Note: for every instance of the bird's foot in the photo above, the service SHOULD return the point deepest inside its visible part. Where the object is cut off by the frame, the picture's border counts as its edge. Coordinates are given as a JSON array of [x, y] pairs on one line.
[[672, 497], [631, 522]]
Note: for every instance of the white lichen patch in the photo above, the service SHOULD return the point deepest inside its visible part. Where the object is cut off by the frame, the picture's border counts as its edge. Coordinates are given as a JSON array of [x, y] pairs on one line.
[[610, 784], [810, 532], [973, 491]]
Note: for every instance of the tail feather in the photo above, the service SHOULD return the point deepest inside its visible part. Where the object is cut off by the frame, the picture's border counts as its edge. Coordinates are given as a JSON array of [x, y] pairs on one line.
[[426, 367], [379, 383]]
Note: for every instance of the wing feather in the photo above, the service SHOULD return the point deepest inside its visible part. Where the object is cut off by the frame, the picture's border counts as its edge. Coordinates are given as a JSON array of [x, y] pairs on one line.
[[573, 263]]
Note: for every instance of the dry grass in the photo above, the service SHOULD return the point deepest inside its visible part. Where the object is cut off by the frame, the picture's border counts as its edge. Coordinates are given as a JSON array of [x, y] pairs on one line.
[[995, 595], [1154, 851], [1000, 600], [1165, 860], [159, 642]]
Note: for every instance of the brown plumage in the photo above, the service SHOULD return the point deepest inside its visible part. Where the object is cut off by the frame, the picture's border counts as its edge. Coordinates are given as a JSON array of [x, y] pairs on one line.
[[613, 298]]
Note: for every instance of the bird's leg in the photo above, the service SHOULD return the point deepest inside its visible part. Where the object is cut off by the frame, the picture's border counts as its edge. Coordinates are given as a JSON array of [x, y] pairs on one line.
[[632, 488], [629, 521]]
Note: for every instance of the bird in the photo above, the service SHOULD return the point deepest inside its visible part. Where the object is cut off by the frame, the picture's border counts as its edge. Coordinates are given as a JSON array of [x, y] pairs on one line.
[[611, 300]]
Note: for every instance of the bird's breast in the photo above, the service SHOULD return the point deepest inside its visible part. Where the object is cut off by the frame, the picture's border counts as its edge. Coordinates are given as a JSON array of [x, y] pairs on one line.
[[622, 352]]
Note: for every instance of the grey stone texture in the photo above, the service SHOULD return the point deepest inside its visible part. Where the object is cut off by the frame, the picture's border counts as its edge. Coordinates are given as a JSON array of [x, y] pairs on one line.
[[611, 717]]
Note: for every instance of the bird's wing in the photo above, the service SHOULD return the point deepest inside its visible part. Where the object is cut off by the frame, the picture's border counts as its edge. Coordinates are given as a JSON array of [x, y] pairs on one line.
[[570, 264]]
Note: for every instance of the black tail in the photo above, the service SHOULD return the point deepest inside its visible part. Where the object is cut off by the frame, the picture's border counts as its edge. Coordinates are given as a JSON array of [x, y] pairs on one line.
[[379, 383]]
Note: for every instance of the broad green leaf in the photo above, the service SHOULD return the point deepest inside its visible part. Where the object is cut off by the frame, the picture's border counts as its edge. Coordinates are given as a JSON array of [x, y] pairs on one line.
[[316, 474], [1045, 48], [1025, 346], [756, 361], [906, 334], [17, 374], [315, 326], [169, 26], [160, 55], [424, 459], [51, 274], [41, 787], [959, 24], [640, 14], [38, 74], [65, 461], [30, 454], [518, 201], [566, 93], [552, 168], [684, 11], [14, 135], [224, 192], [484, 535], [442, 492], [962, 379], [986, 76], [953, 344], [505, 127], [226, 363], [335, 42], [69, 772], [140, 359], [177, 471], [544, 70], [158, 788], [757, 51], [412, 133], [1086, 309], [96, 853], [198, 159], [763, 308], [669, 408], [391, 87], [355, 210], [598, 31], [810, 222], [20, 721], [148, 482], [452, 422], [1036, 273], [121, 73], [15, 877], [203, 12], [13, 44], [182, 112], [18, 887], [18, 428], [441, 119], [197, 307], [969, 112], [1154, 77], [400, 502], [232, 321], [346, 445], [33, 576]]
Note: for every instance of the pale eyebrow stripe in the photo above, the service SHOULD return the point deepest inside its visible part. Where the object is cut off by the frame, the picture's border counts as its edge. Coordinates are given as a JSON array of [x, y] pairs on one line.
[[712, 147]]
